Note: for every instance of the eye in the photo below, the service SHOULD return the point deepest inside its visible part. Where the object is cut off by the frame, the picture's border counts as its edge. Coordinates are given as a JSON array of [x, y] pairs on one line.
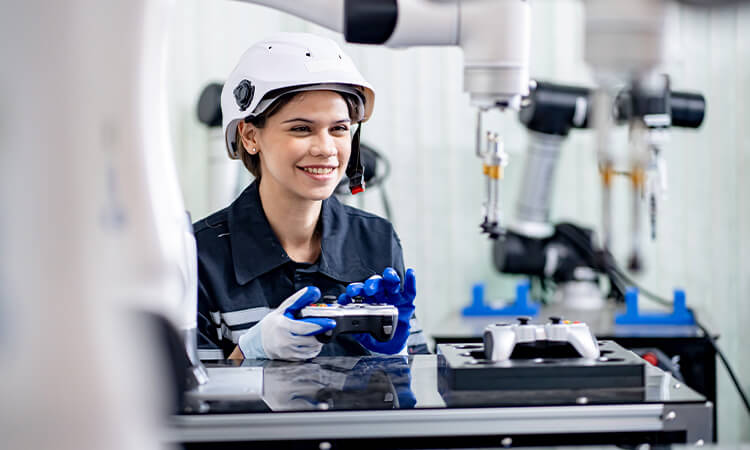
[[341, 128], [301, 129]]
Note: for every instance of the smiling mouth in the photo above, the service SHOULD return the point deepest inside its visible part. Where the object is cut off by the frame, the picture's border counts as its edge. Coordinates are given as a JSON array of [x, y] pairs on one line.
[[318, 170]]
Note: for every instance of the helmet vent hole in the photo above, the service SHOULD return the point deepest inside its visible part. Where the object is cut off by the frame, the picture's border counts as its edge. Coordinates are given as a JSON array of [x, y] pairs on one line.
[[307, 54], [270, 47], [339, 56]]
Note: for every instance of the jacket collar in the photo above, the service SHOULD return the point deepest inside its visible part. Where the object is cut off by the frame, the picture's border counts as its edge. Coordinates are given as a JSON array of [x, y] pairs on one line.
[[256, 249]]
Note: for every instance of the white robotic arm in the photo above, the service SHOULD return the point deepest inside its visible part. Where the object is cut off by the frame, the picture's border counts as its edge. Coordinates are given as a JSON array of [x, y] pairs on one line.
[[494, 35], [326, 13]]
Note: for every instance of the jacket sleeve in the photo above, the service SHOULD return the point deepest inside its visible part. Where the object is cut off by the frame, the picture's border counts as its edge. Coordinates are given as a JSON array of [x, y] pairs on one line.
[[416, 343], [209, 329]]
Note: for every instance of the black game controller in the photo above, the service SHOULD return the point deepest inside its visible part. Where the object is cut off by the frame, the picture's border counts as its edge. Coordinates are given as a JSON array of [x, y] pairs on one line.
[[379, 320]]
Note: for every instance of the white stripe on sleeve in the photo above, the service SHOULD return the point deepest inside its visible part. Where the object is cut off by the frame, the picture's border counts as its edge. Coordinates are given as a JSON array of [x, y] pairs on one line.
[[232, 335], [244, 316]]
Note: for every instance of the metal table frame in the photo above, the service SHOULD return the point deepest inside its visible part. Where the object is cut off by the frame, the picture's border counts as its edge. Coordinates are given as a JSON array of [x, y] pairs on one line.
[[573, 423]]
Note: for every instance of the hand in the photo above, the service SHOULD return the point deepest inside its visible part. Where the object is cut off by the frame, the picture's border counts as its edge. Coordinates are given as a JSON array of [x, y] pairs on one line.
[[386, 289], [280, 336], [295, 386]]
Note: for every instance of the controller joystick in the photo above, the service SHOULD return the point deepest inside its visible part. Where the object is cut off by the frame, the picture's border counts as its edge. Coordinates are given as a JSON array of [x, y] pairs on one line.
[[501, 339]]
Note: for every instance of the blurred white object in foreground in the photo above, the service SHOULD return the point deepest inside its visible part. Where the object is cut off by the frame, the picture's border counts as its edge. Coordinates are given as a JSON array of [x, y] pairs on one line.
[[92, 227]]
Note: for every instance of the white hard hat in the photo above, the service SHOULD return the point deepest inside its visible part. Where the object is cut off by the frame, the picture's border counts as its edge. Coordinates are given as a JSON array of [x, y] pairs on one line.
[[283, 63]]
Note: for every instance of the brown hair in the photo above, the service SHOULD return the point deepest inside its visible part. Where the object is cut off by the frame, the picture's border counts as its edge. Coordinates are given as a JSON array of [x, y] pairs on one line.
[[252, 161]]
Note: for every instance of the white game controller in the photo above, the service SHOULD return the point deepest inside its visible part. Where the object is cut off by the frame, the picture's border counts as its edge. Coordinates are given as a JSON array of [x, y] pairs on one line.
[[500, 339], [380, 320]]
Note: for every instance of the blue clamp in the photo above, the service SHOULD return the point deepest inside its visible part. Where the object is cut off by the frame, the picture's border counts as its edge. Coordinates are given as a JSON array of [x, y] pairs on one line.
[[679, 316], [520, 307]]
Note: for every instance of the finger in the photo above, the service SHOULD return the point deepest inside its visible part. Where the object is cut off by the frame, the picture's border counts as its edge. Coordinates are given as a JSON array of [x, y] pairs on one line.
[[374, 285], [344, 299], [355, 289], [305, 350], [294, 354], [309, 347], [392, 280], [294, 345], [302, 327], [352, 290], [303, 355], [299, 300], [323, 323], [410, 284], [303, 341]]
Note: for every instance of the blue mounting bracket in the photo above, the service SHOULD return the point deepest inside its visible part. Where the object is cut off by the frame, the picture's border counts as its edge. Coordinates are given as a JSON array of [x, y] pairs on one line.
[[520, 307], [679, 316]]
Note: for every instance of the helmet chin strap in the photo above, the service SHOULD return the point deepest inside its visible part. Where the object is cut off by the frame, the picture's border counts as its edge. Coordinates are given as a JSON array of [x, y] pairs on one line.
[[355, 170]]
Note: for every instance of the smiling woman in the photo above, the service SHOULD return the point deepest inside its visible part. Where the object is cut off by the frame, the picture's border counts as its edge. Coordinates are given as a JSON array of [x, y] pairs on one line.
[[251, 159], [307, 130], [288, 112]]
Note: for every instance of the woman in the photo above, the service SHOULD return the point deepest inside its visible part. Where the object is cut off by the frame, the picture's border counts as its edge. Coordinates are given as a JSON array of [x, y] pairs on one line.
[[288, 110]]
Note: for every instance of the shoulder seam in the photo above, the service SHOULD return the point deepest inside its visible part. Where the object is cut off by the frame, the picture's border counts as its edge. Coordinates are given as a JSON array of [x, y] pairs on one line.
[[204, 224]]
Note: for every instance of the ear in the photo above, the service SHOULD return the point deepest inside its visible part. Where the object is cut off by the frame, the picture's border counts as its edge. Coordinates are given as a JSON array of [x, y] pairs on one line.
[[248, 135]]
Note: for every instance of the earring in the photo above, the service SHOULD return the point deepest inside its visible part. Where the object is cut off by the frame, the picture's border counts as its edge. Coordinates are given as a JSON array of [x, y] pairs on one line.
[[253, 151]]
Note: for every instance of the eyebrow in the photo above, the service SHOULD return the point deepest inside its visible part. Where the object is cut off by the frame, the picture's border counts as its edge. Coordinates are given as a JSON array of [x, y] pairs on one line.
[[300, 119]]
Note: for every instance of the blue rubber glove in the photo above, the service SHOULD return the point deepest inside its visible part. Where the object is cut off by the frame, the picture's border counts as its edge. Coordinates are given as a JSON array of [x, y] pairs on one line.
[[386, 289]]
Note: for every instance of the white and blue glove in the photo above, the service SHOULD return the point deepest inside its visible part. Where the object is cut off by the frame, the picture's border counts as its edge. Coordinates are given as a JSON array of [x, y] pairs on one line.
[[386, 289], [280, 336]]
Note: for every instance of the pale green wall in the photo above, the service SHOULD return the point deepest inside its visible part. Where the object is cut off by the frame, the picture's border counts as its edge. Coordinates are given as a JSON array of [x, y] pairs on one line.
[[423, 123]]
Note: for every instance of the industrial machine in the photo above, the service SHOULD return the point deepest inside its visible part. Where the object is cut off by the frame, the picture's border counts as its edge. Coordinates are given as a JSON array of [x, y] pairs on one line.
[[566, 254]]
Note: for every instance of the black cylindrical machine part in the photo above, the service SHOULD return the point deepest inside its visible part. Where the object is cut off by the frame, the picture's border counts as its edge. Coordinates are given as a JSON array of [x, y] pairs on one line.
[[369, 21], [209, 105], [552, 108], [688, 109], [523, 255]]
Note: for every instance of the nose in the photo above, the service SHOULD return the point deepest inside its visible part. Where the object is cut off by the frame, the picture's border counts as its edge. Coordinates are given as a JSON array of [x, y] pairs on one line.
[[324, 146]]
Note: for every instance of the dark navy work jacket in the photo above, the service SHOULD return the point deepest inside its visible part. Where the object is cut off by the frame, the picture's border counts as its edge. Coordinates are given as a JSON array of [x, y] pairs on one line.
[[244, 272]]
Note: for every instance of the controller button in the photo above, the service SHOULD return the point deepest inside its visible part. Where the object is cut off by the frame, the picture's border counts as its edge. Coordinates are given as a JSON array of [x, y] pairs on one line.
[[651, 358], [555, 320], [566, 322]]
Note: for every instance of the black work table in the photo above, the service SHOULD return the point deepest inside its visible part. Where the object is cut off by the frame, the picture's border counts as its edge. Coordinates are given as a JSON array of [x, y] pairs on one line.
[[395, 402]]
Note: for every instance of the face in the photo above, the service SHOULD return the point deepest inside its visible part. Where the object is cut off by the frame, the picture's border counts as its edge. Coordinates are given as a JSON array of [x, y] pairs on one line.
[[304, 147]]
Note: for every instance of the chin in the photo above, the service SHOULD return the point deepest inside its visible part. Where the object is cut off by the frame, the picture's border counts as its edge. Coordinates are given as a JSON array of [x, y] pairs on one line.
[[319, 193]]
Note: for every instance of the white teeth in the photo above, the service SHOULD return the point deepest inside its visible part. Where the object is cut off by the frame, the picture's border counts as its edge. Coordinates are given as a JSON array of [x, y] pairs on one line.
[[317, 170]]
